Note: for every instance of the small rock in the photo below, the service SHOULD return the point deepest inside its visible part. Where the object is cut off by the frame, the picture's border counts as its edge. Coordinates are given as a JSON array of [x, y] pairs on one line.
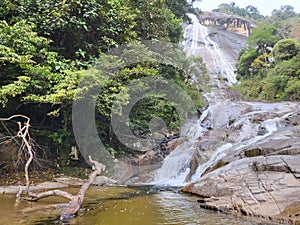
[[72, 181], [261, 131], [104, 181], [172, 145], [51, 185]]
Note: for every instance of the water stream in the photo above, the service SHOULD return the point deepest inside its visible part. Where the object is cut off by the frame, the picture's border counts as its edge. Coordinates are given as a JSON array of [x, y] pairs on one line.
[[243, 132], [120, 206], [176, 165], [196, 42]]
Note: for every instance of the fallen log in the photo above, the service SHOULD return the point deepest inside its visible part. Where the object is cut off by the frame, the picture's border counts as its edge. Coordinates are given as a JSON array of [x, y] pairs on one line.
[[76, 202]]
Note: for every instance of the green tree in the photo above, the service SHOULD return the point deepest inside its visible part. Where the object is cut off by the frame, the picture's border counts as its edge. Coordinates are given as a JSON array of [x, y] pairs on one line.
[[286, 49], [47, 48], [78, 28], [246, 58], [24, 53], [283, 13], [233, 9], [263, 37], [253, 12], [282, 78], [295, 29], [155, 21], [115, 95], [179, 8]]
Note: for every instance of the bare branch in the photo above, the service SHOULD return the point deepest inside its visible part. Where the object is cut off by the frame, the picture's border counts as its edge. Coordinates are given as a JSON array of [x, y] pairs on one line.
[[35, 197], [23, 133], [75, 202], [15, 116]]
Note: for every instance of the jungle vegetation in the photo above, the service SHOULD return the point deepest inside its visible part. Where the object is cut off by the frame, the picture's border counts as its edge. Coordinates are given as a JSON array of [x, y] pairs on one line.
[[269, 66], [48, 47]]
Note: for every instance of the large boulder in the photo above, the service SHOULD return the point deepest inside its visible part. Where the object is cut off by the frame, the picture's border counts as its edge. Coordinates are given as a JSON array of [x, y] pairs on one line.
[[260, 186]]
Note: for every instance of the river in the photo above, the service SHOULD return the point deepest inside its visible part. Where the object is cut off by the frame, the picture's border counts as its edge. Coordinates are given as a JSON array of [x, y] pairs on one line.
[[161, 204], [121, 206]]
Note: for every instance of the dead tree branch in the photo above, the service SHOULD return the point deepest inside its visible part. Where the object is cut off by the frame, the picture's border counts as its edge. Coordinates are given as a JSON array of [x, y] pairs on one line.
[[75, 203], [23, 133], [33, 197]]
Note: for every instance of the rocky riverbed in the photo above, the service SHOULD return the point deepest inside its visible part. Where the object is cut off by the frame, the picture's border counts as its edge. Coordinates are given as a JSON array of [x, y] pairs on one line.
[[256, 171]]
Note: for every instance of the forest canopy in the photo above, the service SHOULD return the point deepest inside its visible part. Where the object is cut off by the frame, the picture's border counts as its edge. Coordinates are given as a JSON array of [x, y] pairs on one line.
[[269, 66], [48, 47]]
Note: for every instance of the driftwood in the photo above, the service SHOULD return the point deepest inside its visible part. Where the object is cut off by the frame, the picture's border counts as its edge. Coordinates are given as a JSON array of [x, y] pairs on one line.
[[70, 209], [75, 204]]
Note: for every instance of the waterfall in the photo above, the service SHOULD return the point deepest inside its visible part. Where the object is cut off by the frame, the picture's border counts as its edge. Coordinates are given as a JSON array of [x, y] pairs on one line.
[[176, 165], [217, 116], [197, 42]]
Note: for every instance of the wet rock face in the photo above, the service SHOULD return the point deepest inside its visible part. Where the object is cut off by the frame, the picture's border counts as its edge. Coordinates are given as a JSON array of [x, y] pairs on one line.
[[293, 119], [218, 47], [254, 186], [229, 42], [260, 179], [140, 168], [249, 160]]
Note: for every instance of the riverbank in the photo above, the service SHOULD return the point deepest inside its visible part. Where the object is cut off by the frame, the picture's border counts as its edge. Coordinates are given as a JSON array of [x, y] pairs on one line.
[[47, 180]]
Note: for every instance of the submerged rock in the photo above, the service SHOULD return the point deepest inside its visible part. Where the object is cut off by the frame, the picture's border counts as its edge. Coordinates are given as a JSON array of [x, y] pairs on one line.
[[70, 181], [13, 189]]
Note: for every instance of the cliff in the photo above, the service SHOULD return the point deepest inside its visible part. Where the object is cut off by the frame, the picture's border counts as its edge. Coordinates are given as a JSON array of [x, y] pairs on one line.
[[226, 22]]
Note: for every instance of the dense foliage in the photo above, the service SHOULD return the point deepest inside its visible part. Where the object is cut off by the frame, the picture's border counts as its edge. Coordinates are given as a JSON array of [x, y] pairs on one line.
[[48, 47], [250, 12], [269, 66]]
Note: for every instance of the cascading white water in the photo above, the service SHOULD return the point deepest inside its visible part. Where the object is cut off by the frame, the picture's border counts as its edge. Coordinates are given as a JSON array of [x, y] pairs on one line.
[[271, 126], [176, 165], [221, 110], [197, 42]]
